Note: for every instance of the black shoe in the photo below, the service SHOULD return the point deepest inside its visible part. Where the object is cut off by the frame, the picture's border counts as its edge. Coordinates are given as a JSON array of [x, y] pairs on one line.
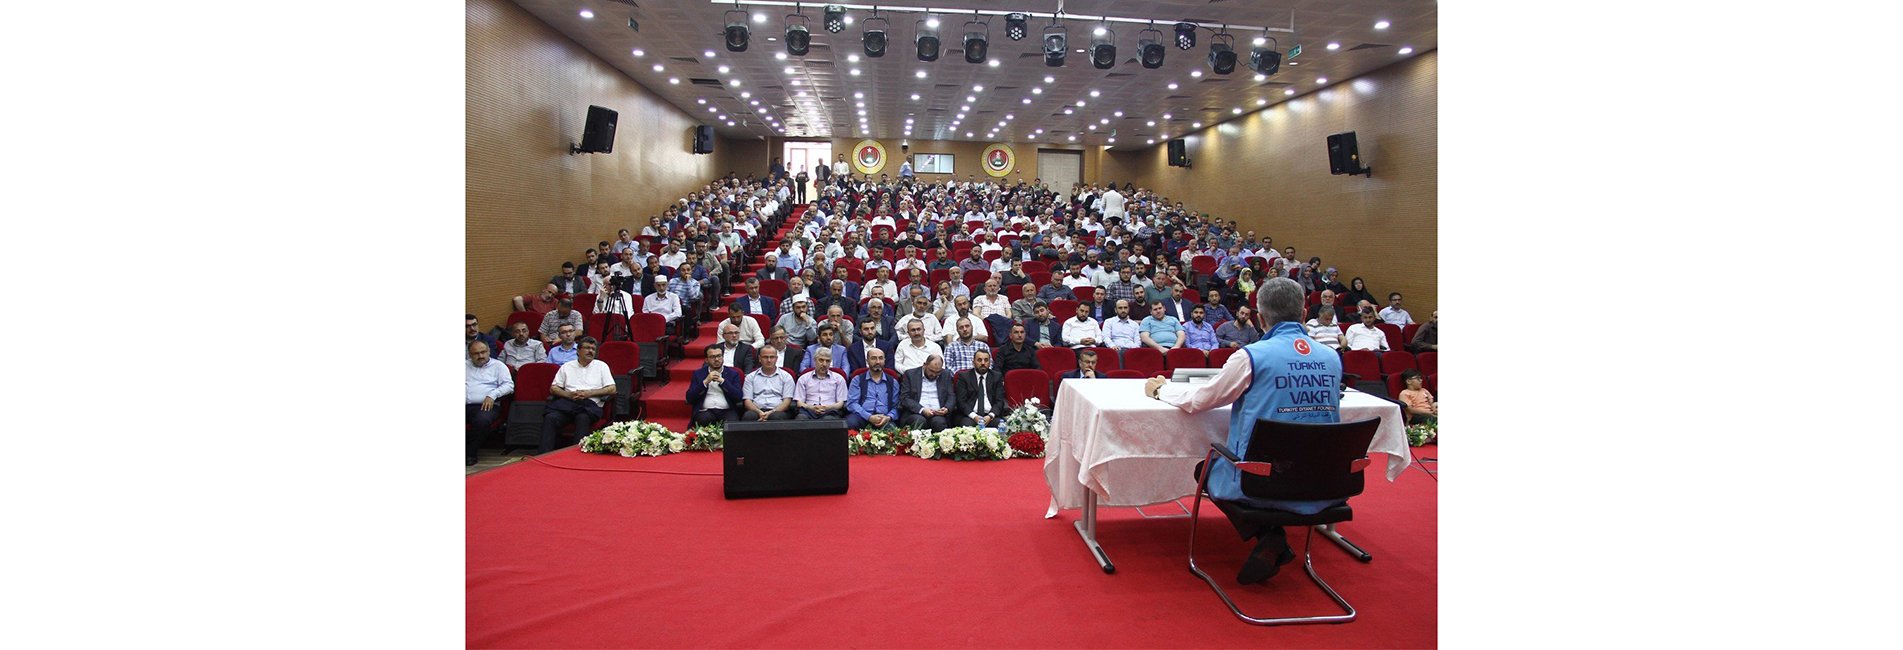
[[469, 462], [1258, 568]]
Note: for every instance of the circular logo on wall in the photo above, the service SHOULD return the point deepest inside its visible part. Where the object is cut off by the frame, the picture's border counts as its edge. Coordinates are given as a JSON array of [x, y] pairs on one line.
[[868, 157], [1301, 346], [999, 160]]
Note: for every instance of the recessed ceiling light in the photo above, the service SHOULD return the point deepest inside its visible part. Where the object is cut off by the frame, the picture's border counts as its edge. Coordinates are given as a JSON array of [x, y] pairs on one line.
[[1117, 113], [1037, 91], [1172, 85], [733, 82], [1010, 116], [1289, 91], [1166, 116], [1261, 77], [1094, 93], [762, 109], [1150, 123], [640, 52], [754, 103], [993, 63], [1050, 79], [1196, 73], [1152, 141], [1381, 25], [745, 95], [1073, 138], [658, 68], [1236, 111], [915, 97], [708, 54], [852, 58], [1104, 121], [969, 134], [1080, 103], [1334, 46], [779, 55], [971, 98], [1321, 80], [859, 95], [855, 72], [908, 121], [702, 101], [587, 14], [796, 82], [1292, 62], [712, 109], [759, 18], [674, 80], [1066, 110], [1196, 125], [1027, 100], [1407, 50], [723, 69], [1262, 102]]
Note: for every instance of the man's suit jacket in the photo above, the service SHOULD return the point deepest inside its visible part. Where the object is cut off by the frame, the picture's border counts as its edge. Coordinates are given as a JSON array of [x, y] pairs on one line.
[[730, 384], [769, 306], [791, 356], [1175, 307], [912, 385], [745, 357], [857, 351], [780, 273], [1104, 311], [1055, 329], [888, 327], [846, 304], [1074, 374], [966, 387]]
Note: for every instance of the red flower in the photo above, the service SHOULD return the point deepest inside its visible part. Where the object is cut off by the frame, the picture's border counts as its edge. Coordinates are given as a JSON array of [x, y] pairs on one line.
[[1027, 443], [690, 438]]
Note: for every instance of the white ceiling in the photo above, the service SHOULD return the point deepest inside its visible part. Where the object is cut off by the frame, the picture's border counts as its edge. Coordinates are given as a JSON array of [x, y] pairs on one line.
[[820, 97]]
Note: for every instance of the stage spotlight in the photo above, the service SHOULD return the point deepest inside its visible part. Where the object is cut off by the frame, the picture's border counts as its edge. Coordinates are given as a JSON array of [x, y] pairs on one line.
[[736, 31], [798, 38], [977, 37], [927, 40], [874, 38], [1054, 43], [1150, 48], [1265, 60], [1185, 36], [1222, 53], [1103, 49], [1014, 26], [835, 18]]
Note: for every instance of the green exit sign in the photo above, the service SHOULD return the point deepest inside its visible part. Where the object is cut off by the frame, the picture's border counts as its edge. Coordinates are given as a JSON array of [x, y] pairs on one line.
[[1294, 51]]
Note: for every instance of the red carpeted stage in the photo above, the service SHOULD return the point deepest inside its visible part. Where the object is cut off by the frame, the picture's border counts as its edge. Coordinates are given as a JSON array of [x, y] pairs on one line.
[[918, 553]]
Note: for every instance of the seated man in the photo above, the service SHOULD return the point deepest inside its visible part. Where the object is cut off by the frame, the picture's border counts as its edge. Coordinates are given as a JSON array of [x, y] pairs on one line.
[[980, 394], [520, 349], [473, 332], [541, 303], [1122, 332], [1160, 331], [828, 340], [1241, 331], [1017, 353], [1197, 333], [822, 392], [1364, 335], [872, 398], [565, 351], [1323, 328], [714, 394], [663, 302], [767, 392], [1393, 314], [926, 396], [1086, 366], [1042, 329], [580, 389], [749, 329], [756, 303], [1213, 309], [912, 353], [552, 322], [484, 382], [800, 326], [735, 352], [569, 281], [1427, 336], [1082, 331], [959, 352]]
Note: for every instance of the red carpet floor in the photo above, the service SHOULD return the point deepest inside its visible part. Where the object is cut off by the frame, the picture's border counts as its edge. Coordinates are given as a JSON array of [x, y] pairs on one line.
[[918, 554]]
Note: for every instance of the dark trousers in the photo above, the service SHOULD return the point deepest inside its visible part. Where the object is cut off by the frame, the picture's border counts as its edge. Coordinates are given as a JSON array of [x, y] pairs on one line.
[[917, 421], [480, 424], [853, 421], [753, 416], [710, 416], [560, 412], [808, 414], [962, 420], [802, 191], [1272, 539]]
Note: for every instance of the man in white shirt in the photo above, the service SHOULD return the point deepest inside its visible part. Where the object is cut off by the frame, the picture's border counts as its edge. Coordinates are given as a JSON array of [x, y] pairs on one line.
[[922, 313], [883, 280], [1112, 203], [918, 347], [1393, 314], [1121, 332], [1075, 278], [521, 349], [991, 303], [580, 389], [910, 261], [749, 329], [663, 302], [1082, 331], [671, 256], [1364, 335], [484, 381]]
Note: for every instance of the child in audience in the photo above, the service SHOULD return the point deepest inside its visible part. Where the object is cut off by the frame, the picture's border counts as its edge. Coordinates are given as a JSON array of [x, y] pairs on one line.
[[1421, 408]]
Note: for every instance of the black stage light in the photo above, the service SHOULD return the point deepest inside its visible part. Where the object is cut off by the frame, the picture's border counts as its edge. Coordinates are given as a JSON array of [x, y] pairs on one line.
[[1265, 60], [1150, 48], [1185, 36], [1222, 53], [798, 38], [1103, 50], [927, 42], [874, 38], [736, 31], [1054, 45], [977, 41], [835, 18], [1014, 26]]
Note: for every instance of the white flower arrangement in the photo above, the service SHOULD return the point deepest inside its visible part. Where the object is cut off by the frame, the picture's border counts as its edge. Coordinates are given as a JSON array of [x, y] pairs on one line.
[[636, 438], [960, 443], [1027, 417]]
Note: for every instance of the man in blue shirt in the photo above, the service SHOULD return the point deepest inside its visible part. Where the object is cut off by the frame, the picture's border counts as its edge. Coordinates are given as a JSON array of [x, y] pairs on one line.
[[1197, 333], [1286, 376], [872, 398], [1160, 331], [567, 350]]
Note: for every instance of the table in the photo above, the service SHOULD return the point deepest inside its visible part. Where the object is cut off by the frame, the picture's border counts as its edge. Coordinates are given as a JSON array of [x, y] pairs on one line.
[[1111, 445]]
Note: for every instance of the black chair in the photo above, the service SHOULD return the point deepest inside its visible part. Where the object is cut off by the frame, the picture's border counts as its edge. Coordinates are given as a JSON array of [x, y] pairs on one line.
[[1292, 461]]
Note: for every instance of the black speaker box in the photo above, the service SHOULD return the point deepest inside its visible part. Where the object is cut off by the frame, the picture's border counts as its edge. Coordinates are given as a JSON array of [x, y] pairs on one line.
[[1179, 153], [703, 139], [784, 458], [598, 135], [1344, 157]]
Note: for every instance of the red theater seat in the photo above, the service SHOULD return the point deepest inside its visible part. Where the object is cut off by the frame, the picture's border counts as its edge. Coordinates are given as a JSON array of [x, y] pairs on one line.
[[1148, 361], [1023, 384], [1186, 358], [1055, 361], [1220, 356]]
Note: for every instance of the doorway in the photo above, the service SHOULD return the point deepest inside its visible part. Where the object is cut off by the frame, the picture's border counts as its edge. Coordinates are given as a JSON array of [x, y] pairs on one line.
[[806, 156]]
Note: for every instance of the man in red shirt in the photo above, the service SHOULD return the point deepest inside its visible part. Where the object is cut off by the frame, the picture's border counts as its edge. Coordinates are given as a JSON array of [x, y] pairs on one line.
[[540, 303]]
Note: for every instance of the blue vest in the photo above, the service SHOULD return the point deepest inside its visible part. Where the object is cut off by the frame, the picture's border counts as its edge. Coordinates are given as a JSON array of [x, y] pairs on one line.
[[1296, 380]]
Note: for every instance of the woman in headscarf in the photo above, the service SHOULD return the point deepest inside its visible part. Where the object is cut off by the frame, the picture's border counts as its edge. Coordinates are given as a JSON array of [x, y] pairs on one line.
[[1357, 292]]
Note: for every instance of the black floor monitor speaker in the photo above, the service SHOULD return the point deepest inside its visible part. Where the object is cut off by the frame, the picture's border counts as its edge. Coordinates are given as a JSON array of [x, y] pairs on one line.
[[1344, 156], [598, 135], [703, 139], [784, 458], [1179, 153]]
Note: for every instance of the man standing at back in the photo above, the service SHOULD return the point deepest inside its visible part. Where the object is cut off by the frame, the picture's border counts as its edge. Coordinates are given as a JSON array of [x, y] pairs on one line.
[[1296, 380]]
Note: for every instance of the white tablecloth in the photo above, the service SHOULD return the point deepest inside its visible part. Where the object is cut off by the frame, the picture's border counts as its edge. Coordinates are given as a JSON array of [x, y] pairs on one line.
[[1131, 450]]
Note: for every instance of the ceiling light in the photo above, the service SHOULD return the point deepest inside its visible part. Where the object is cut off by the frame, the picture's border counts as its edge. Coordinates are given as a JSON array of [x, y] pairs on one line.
[[1172, 85], [1261, 77], [1054, 44], [1094, 93], [1334, 46], [762, 109], [1381, 25], [1196, 73], [1151, 141], [1321, 80], [969, 134], [702, 101], [587, 14], [795, 82], [1196, 125], [782, 55], [712, 109], [874, 39], [1037, 91], [1067, 111], [658, 68], [1038, 131], [855, 72], [927, 42], [859, 95], [1073, 138], [835, 18], [755, 102], [1222, 54], [1027, 100], [789, 70], [1112, 139], [1259, 41], [1104, 121], [1262, 102], [674, 80], [1150, 48], [1150, 123], [1080, 103], [1050, 79], [1166, 116], [852, 58], [1405, 50], [977, 88], [759, 18], [1185, 36], [993, 63], [733, 82], [723, 69], [1236, 111], [1289, 91], [640, 52], [1117, 113], [736, 31], [971, 98], [915, 97], [920, 74]]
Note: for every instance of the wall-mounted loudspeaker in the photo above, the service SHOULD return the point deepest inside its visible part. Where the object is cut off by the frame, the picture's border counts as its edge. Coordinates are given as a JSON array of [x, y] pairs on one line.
[[598, 135], [1344, 155], [703, 139], [1179, 153]]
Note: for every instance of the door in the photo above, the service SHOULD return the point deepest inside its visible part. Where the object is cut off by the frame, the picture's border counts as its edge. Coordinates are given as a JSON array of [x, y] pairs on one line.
[[1060, 168]]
